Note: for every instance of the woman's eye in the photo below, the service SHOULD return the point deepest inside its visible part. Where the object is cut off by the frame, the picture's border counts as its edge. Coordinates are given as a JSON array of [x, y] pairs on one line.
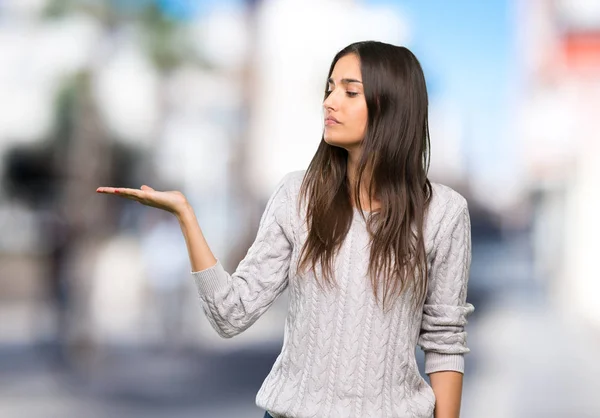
[[348, 93]]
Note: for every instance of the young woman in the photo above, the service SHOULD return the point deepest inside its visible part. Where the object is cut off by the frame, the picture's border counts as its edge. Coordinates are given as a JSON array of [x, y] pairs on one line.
[[376, 257]]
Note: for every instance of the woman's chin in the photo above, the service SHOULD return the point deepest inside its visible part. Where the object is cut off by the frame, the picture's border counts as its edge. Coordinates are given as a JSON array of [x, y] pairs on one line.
[[332, 140], [338, 142]]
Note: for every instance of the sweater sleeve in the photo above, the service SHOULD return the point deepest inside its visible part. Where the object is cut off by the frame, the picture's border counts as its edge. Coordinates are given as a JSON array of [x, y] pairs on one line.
[[443, 337], [233, 302]]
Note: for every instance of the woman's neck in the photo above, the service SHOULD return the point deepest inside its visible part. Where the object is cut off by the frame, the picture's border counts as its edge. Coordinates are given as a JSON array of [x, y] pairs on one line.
[[351, 169], [364, 195]]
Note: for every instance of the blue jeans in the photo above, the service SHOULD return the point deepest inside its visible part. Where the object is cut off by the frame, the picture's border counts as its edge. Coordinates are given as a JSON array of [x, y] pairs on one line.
[[267, 415]]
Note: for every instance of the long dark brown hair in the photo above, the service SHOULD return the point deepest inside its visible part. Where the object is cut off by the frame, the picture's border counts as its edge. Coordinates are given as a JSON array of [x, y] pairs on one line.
[[396, 149]]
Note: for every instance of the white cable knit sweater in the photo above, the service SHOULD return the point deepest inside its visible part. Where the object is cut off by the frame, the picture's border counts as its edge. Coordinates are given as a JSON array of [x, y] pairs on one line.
[[342, 357]]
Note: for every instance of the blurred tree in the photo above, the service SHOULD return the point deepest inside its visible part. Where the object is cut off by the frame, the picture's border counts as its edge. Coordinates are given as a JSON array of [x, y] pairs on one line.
[[163, 40], [59, 175], [56, 178], [29, 175]]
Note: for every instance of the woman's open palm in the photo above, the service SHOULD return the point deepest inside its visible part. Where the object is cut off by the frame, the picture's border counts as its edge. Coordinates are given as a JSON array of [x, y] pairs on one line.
[[172, 201]]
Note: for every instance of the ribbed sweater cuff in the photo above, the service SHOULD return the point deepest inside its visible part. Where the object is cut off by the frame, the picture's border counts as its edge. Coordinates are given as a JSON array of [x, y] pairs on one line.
[[436, 362], [210, 280]]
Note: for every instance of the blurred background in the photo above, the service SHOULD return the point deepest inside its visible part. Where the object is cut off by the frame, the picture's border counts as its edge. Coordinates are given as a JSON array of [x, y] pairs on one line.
[[219, 99]]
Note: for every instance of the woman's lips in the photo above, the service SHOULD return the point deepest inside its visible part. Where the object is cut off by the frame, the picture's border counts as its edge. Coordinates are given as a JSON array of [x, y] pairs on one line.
[[330, 122]]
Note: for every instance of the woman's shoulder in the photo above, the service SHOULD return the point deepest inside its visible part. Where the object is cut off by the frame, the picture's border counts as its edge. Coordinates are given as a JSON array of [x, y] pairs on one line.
[[296, 175], [445, 204], [446, 197], [292, 180]]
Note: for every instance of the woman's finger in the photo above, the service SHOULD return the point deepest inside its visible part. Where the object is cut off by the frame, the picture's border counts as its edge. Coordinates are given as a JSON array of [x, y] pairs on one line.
[[140, 196], [108, 190], [130, 192], [120, 190]]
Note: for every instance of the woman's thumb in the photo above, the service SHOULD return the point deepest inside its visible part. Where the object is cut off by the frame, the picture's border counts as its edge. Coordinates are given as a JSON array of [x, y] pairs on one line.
[[144, 187]]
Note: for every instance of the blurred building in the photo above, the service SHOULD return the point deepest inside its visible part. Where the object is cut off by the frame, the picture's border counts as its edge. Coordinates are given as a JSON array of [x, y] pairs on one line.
[[559, 120]]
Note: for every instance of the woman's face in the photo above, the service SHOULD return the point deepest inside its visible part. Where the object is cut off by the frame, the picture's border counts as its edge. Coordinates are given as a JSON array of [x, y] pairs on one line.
[[345, 107]]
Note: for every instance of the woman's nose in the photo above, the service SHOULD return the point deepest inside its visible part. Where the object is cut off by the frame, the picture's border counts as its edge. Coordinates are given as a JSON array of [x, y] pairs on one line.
[[330, 101]]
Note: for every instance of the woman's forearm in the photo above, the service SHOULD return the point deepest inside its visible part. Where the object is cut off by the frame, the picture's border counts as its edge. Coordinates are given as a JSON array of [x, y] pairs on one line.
[[447, 387], [201, 257]]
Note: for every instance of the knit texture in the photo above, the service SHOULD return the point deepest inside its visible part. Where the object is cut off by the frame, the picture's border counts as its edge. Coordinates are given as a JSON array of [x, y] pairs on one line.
[[342, 356]]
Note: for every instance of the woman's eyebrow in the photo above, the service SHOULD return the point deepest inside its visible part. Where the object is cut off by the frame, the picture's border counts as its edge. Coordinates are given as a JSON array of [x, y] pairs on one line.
[[345, 81]]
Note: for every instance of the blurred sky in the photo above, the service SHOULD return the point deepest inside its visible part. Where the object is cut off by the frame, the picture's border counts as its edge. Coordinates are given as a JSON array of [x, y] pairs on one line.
[[452, 36]]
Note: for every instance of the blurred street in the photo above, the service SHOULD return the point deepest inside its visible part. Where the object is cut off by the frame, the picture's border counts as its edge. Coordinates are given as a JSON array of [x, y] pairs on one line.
[[133, 383]]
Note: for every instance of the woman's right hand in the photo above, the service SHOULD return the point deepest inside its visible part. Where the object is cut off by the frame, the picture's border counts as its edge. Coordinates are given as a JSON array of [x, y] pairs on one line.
[[172, 201]]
